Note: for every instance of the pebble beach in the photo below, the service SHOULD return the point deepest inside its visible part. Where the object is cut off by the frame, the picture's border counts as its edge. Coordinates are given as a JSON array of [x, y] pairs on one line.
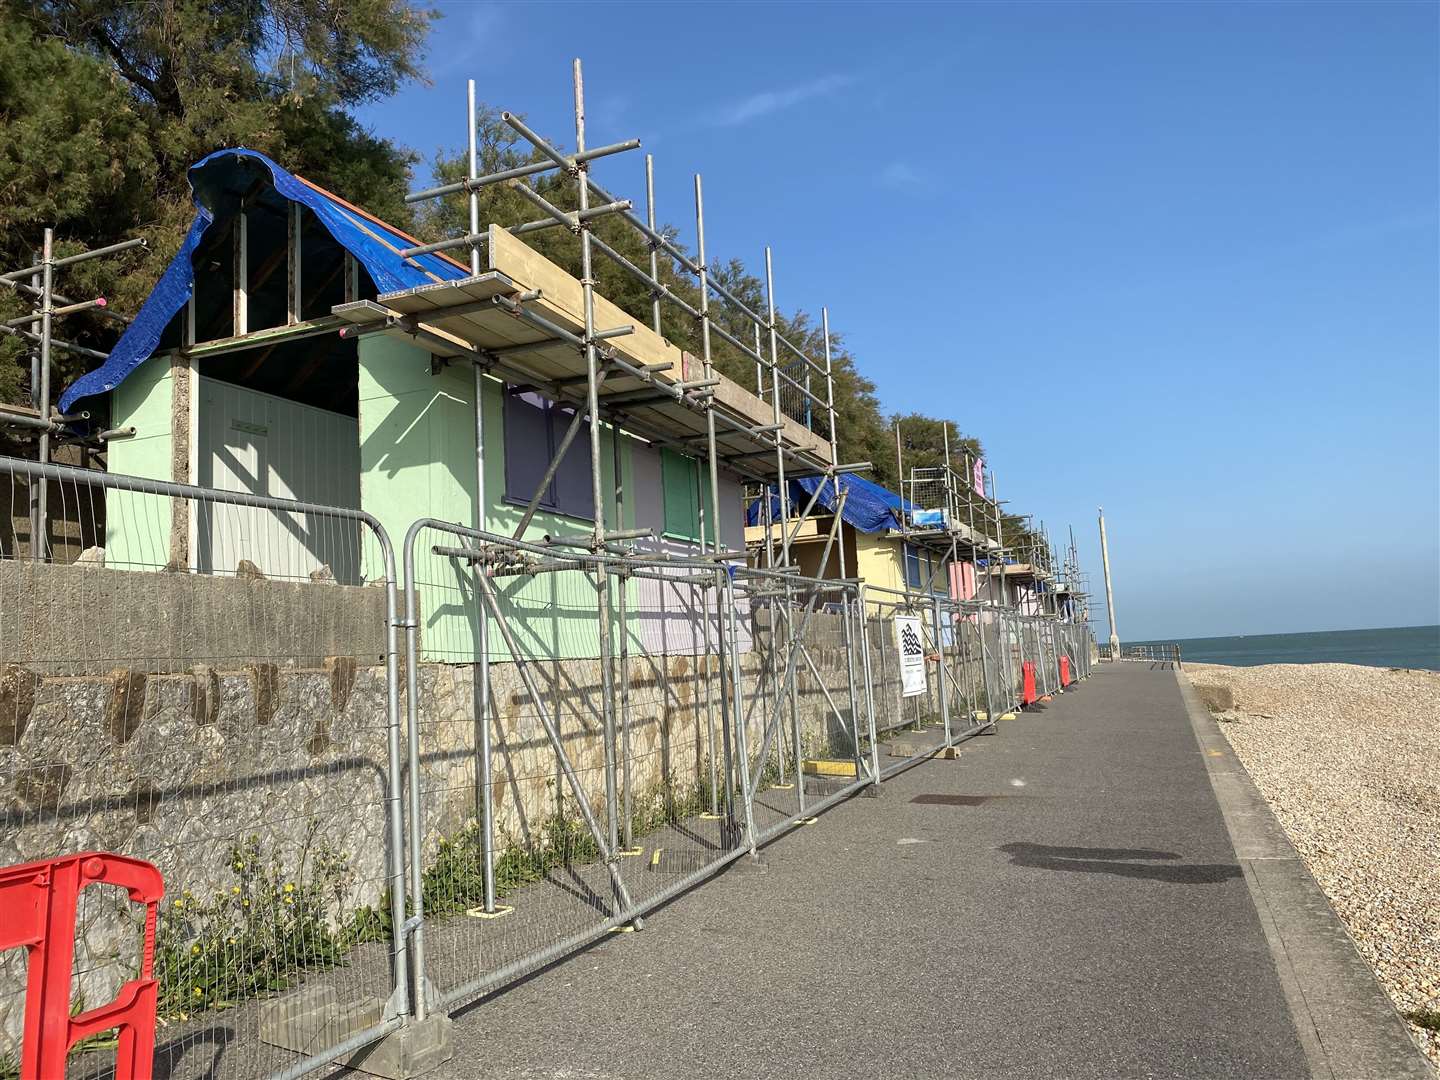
[[1348, 757]]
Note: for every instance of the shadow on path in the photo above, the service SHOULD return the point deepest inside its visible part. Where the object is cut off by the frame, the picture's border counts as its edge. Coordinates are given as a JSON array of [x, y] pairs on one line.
[[1121, 862]]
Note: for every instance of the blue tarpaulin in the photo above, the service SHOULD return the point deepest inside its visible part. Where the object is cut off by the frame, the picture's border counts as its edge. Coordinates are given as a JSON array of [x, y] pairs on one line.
[[375, 245], [868, 506]]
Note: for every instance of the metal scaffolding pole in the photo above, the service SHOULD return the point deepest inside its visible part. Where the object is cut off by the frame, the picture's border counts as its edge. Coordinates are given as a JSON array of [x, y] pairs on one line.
[[713, 471], [602, 573], [482, 670], [38, 329], [39, 537]]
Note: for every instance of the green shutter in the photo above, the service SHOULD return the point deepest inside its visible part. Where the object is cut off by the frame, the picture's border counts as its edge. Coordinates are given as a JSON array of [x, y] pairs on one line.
[[682, 481], [679, 479]]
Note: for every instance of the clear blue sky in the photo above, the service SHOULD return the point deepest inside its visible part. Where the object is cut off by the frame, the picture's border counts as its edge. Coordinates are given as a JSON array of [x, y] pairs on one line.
[[1178, 259]]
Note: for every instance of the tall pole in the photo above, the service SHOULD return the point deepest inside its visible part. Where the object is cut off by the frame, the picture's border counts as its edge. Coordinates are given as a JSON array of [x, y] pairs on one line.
[[999, 538], [725, 631], [40, 539], [38, 288], [597, 492], [482, 619], [1109, 593], [784, 487], [474, 200], [900, 474], [654, 248]]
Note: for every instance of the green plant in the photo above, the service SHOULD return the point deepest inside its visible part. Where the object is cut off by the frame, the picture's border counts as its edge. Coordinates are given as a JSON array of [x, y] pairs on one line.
[[260, 934], [1429, 1019], [455, 880], [664, 804]]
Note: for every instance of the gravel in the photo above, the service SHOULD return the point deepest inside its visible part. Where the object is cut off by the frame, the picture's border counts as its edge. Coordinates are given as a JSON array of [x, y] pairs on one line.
[[1348, 757]]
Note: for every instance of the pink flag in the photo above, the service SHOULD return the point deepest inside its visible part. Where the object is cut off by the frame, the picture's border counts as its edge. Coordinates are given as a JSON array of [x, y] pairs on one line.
[[980, 477]]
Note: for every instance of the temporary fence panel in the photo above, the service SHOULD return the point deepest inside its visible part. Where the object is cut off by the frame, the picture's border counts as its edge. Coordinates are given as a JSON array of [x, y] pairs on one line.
[[555, 799], [971, 706], [332, 873], [909, 725], [238, 731], [805, 714]]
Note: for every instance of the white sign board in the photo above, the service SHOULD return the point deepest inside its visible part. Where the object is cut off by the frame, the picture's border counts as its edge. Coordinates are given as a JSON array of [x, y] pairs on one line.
[[910, 646]]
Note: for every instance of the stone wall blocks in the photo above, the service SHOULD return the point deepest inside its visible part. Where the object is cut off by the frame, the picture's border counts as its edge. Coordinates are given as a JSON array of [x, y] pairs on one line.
[[41, 788], [341, 670], [264, 691], [18, 687], [205, 701], [125, 706]]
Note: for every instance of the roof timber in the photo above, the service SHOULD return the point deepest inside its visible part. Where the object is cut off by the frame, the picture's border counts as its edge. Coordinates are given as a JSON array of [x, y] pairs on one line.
[[476, 314]]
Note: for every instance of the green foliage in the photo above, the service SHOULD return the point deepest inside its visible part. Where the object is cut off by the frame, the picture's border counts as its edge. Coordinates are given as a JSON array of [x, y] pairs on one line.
[[105, 106], [663, 805], [1429, 1019], [258, 936], [455, 881]]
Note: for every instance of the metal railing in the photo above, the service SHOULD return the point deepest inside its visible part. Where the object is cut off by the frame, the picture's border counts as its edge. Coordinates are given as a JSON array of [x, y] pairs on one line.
[[239, 728], [1151, 654]]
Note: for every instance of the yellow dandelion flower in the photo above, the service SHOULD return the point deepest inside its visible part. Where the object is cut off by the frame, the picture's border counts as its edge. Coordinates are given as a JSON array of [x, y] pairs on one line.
[[289, 899], [289, 886], [234, 890], [199, 992], [194, 950], [245, 902], [179, 903]]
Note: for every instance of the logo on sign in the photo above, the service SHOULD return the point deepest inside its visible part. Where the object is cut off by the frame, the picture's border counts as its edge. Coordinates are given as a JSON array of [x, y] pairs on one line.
[[910, 647]]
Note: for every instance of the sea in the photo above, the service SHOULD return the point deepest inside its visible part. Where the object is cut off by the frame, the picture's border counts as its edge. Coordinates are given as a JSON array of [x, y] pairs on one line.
[[1398, 646]]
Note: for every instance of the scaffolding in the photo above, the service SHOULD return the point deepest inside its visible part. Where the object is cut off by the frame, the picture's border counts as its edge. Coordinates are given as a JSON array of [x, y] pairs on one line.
[[952, 509], [37, 284], [957, 512], [949, 504], [779, 683], [520, 319]]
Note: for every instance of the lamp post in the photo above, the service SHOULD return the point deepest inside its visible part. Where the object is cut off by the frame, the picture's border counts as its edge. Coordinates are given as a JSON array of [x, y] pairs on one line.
[[1109, 593]]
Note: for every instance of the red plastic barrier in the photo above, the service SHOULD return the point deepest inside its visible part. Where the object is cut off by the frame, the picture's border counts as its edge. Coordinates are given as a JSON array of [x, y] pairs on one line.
[[37, 910], [1064, 671], [1027, 689]]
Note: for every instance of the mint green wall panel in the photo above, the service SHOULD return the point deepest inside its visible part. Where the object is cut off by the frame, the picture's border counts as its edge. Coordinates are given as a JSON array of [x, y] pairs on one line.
[[417, 460], [137, 527]]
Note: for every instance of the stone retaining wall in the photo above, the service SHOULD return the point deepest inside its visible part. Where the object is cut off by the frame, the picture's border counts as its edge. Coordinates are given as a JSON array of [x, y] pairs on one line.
[[181, 767], [80, 619]]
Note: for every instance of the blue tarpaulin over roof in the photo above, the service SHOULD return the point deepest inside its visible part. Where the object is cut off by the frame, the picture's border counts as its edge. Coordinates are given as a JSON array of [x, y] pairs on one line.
[[377, 246], [868, 506]]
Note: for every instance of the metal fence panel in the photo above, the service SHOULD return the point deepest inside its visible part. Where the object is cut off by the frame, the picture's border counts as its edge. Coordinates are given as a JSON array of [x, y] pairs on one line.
[[805, 714], [334, 873], [562, 782], [236, 728], [909, 726]]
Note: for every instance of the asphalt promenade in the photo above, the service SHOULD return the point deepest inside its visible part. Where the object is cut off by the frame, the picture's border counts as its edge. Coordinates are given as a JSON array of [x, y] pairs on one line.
[[1062, 900]]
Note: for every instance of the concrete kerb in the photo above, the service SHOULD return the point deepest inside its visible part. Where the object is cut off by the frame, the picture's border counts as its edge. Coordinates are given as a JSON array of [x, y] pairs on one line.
[[1347, 1024]]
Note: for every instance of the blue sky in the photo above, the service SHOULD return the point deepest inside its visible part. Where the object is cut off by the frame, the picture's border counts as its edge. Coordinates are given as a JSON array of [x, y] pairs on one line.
[[1178, 259]]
